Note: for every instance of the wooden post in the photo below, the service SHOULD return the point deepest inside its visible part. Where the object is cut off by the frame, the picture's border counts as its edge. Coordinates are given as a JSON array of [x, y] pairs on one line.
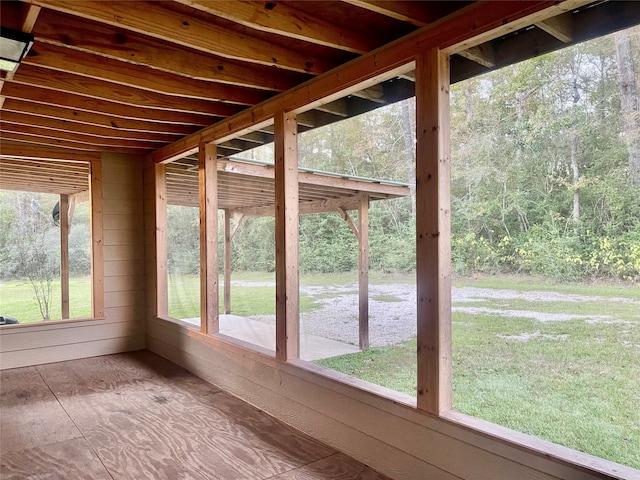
[[286, 224], [162, 293], [208, 188], [97, 250], [433, 230], [64, 255], [363, 271], [227, 261]]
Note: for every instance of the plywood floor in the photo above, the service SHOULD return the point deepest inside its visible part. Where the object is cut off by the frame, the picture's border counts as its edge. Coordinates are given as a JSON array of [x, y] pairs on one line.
[[137, 416]]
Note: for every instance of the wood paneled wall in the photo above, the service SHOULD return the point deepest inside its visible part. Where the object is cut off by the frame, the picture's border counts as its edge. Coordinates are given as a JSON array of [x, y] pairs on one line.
[[394, 439], [123, 327]]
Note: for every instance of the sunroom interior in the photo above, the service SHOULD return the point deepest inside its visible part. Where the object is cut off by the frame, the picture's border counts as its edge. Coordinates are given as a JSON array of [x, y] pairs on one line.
[[133, 106]]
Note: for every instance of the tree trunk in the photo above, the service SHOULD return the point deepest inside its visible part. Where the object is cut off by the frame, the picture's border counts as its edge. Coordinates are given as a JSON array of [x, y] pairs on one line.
[[630, 103], [574, 158], [409, 133]]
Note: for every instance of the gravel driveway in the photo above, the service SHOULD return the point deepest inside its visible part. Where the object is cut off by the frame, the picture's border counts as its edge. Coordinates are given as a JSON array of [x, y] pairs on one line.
[[392, 309]]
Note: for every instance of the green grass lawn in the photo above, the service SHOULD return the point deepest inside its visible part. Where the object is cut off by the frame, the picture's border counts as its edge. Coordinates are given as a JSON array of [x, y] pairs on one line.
[[18, 300], [576, 383], [184, 296]]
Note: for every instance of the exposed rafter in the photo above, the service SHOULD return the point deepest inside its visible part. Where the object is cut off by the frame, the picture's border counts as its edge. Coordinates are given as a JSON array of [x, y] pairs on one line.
[[281, 19], [164, 24]]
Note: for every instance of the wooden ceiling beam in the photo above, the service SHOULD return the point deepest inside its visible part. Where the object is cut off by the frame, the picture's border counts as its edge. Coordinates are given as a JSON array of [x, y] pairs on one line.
[[36, 185], [97, 38], [63, 59], [159, 22], [561, 27], [77, 138], [476, 24], [483, 54], [56, 142], [101, 90], [176, 123], [64, 170], [10, 149], [25, 119], [89, 118], [282, 19], [416, 13]]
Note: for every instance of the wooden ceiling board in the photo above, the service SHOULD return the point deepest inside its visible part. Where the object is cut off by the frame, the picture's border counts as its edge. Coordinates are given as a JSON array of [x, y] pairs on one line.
[[134, 76]]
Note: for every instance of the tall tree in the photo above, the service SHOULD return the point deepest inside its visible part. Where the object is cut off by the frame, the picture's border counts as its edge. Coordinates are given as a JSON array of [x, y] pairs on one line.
[[630, 102]]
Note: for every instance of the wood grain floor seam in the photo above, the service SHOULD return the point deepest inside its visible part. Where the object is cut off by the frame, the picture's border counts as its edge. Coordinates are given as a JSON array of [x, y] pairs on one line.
[[137, 416], [93, 450]]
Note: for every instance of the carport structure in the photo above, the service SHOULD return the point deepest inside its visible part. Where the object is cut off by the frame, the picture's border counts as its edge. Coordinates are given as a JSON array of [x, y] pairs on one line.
[[246, 188]]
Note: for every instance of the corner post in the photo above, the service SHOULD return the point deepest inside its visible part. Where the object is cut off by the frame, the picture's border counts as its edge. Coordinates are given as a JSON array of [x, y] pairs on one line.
[[97, 252], [162, 289], [433, 231]]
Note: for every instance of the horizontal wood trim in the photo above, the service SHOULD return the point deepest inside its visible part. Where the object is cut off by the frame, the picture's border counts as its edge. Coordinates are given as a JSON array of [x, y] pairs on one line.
[[121, 207], [29, 339], [133, 237], [123, 268], [61, 353], [122, 252], [124, 298], [121, 221], [129, 283], [128, 313]]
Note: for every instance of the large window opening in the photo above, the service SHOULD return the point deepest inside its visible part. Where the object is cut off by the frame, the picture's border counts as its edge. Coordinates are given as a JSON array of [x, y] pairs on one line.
[[45, 241], [357, 253], [546, 248]]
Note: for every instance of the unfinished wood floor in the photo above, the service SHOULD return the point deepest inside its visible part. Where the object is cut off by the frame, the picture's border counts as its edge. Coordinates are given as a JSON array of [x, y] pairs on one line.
[[137, 416]]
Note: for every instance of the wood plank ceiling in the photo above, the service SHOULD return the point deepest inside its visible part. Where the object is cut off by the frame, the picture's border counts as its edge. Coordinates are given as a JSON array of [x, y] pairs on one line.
[[126, 76]]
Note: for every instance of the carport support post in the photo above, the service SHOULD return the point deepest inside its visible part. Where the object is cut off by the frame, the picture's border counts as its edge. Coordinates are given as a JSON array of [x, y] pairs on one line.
[[64, 255], [227, 261], [363, 271]]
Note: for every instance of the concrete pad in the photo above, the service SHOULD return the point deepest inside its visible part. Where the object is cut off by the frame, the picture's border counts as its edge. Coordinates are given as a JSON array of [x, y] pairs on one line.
[[312, 347]]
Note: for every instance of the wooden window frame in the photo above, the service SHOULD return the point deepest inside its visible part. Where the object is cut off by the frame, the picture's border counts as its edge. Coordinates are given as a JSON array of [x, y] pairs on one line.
[[428, 50]]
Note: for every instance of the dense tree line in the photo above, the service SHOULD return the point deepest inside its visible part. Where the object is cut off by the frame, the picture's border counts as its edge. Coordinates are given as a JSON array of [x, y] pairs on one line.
[[545, 178], [545, 175]]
